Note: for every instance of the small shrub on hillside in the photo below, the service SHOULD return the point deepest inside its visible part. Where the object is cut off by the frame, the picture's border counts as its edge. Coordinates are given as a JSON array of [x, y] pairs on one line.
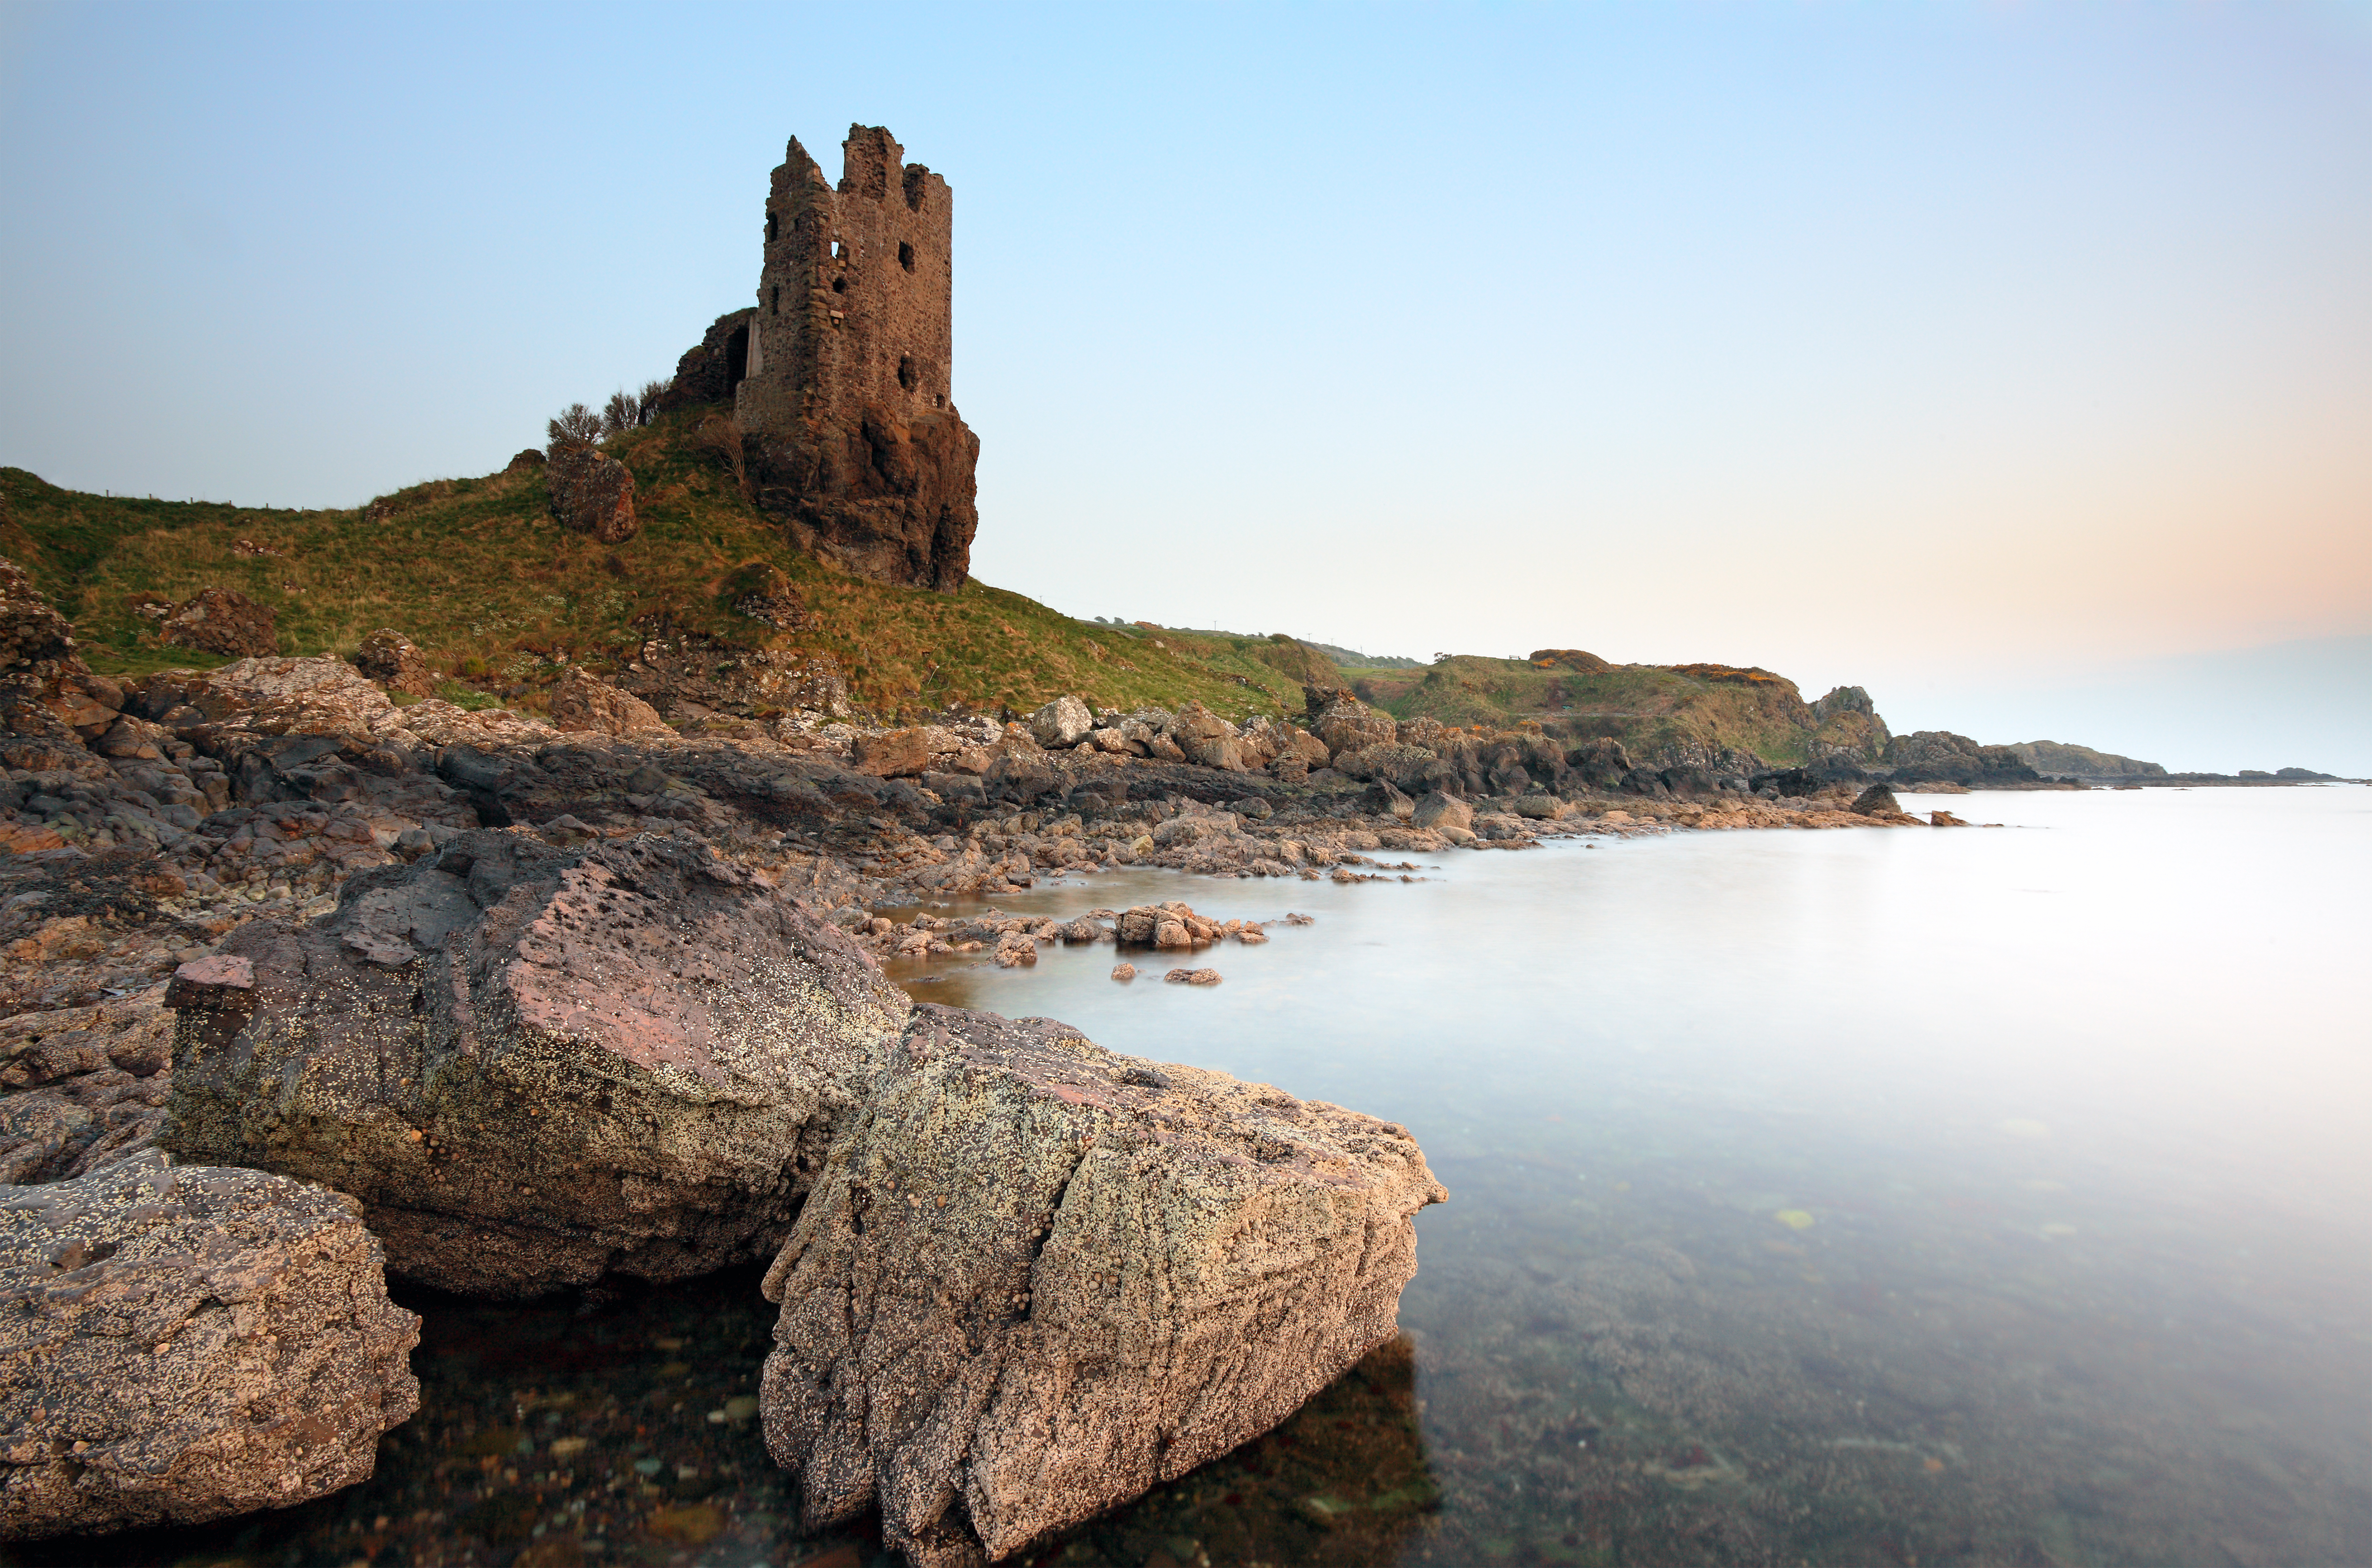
[[631, 411], [575, 425], [719, 435]]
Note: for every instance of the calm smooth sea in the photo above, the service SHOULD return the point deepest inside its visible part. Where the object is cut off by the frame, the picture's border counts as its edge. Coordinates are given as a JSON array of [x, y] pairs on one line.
[[1972, 1197]]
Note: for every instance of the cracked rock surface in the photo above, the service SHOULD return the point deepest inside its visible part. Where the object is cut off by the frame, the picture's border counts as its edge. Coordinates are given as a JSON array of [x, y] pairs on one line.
[[1037, 1278], [179, 1343], [536, 1067]]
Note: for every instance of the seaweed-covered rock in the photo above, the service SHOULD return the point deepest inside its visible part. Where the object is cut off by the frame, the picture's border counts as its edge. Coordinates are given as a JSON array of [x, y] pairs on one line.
[[1037, 1278], [534, 1066], [179, 1344]]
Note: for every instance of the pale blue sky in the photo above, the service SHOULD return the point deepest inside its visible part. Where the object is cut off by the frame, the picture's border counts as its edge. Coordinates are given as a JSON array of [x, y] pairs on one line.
[[1981, 355]]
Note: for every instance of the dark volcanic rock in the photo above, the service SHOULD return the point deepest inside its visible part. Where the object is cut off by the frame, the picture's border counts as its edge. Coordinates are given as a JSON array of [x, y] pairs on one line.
[[180, 1344], [222, 621], [1933, 756], [592, 493], [881, 494], [535, 1067], [1874, 799], [1036, 1279]]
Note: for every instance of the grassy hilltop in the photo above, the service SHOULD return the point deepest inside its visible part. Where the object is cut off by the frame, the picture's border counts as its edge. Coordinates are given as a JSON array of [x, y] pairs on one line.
[[477, 573]]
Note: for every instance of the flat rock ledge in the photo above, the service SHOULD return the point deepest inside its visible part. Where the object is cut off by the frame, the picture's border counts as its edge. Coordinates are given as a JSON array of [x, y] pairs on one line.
[[181, 1344], [536, 1067], [1037, 1278]]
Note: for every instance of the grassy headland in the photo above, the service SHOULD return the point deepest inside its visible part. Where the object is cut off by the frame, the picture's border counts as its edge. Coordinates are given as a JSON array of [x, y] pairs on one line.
[[500, 597]]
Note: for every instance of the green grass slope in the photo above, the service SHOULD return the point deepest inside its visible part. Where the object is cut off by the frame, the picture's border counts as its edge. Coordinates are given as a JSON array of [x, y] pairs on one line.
[[1649, 708], [478, 574]]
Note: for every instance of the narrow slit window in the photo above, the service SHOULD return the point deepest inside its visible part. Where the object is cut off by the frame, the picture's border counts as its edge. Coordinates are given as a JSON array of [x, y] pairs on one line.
[[906, 255]]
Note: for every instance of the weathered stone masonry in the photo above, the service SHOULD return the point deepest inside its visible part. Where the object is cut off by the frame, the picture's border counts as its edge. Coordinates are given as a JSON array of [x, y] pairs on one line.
[[842, 392]]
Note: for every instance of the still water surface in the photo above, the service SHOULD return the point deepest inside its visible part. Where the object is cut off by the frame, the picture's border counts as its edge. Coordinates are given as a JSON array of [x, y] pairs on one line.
[[1983, 1197]]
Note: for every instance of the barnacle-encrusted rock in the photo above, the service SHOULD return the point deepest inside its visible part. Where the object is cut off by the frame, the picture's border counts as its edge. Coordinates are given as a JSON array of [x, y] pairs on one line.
[[534, 1066], [1037, 1278], [179, 1344]]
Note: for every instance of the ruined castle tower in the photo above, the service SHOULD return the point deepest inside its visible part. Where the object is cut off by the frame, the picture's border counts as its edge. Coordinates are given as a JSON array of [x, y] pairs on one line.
[[842, 387]]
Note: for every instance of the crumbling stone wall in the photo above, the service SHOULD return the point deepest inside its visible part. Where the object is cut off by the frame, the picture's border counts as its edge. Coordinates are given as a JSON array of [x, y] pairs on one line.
[[711, 371], [852, 434]]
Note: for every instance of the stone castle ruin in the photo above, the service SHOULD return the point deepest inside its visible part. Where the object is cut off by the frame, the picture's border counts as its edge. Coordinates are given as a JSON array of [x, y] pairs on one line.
[[839, 377]]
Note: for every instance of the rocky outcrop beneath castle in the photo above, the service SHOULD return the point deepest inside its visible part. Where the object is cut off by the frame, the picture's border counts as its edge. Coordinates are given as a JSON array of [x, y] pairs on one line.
[[1037, 1278], [591, 493], [181, 1344], [884, 493], [221, 621], [535, 1067]]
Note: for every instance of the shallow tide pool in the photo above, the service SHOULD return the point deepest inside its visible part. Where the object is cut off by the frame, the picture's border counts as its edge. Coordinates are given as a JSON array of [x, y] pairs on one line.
[[1985, 1196]]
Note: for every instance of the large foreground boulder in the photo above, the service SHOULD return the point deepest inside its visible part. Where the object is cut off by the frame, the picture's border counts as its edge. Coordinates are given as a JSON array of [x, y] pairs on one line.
[[1037, 1278], [535, 1067], [178, 1344]]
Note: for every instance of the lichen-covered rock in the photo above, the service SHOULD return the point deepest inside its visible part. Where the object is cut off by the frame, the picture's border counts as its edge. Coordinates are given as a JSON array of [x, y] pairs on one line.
[[1346, 725], [222, 621], [534, 1066], [591, 492], [269, 696], [394, 661], [579, 701], [1037, 1278], [181, 1344], [1065, 720]]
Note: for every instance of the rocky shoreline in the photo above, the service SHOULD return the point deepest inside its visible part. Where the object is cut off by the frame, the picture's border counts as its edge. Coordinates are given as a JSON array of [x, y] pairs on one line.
[[312, 983]]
